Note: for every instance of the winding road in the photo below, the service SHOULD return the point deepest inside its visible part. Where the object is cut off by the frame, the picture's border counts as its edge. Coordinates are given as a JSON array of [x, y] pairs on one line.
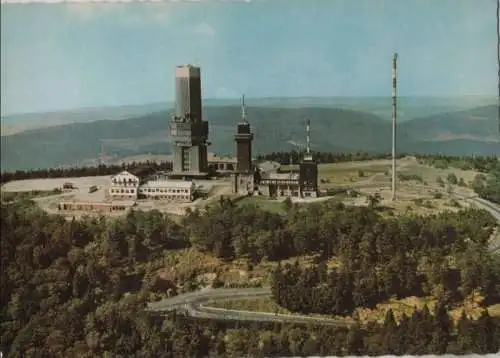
[[193, 303]]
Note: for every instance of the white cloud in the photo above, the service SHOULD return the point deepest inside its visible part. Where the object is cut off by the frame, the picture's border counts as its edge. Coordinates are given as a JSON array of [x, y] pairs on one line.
[[204, 29]]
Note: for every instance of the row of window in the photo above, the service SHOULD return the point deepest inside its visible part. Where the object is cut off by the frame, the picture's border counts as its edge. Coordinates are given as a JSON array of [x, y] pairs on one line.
[[125, 181], [172, 197], [88, 207], [122, 191], [178, 191]]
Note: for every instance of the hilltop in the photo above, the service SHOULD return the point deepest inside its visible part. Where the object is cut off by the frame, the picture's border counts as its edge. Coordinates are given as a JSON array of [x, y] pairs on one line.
[[466, 132]]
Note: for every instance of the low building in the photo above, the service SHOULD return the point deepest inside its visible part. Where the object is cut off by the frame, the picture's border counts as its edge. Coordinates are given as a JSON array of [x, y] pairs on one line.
[[278, 185], [175, 190], [222, 163], [96, 207], [123, 186], [68, 186]]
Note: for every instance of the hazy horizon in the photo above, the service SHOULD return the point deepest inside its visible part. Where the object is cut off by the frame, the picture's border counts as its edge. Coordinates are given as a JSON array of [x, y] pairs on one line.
[[67, 56], [248, 100]]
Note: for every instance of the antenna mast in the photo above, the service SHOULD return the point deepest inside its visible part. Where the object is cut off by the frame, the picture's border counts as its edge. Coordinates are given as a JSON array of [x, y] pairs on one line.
[[498, 62], [308, 155], [394, 99], [243, 109]]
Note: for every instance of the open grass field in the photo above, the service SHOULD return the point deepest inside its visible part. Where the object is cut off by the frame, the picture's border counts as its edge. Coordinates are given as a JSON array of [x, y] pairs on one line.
[[274, 206], [82, 183], [13, 195], [378, 173]]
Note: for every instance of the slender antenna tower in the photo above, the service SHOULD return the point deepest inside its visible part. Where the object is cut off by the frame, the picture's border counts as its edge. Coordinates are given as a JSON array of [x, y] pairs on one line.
[[498, 62], [394, 99], [308, 155], [243, 109]]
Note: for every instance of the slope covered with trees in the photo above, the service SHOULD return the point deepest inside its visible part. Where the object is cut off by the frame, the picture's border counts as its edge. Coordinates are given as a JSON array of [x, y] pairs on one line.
[[79, 287]]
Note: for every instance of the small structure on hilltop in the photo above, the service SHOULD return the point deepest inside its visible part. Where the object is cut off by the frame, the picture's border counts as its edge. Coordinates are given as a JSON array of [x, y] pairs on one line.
[[68, 186]]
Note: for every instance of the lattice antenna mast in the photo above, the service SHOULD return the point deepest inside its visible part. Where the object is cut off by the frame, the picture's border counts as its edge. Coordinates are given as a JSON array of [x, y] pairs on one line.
[[498, 62], [243, 109], [394, 108], [308, 155]]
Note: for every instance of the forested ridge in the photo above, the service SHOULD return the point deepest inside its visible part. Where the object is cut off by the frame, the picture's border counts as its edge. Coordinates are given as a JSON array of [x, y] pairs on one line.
[[79, 287]]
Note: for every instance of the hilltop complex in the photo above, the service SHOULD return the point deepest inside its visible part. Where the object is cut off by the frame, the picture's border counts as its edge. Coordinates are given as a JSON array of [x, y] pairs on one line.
[[191, 162]]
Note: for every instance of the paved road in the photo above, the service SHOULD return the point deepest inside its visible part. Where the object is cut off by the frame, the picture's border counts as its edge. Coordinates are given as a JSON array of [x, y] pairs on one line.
[[193, 303]]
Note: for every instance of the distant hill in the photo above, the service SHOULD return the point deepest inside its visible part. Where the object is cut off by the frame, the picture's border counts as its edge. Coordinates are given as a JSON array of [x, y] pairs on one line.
[[408, 108], [478, 124], [276, 129], [20, 122]]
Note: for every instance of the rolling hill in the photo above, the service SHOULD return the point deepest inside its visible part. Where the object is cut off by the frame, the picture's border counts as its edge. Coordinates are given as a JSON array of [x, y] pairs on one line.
[[408, 108], [333, 129]]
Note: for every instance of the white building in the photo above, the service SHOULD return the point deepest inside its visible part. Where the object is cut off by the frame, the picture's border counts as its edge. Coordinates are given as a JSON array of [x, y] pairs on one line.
[[177, 190], [123, 186]]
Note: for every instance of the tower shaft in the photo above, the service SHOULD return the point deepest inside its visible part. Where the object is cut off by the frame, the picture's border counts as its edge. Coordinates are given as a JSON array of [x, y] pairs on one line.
[[189, 132], [243, 138], [394, 109]]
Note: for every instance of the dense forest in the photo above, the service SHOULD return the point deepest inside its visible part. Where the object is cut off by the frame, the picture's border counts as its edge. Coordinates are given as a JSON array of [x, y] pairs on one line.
[[79, 287]]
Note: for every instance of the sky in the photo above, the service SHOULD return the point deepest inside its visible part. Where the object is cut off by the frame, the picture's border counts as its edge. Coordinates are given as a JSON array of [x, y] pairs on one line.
[[67, 56]]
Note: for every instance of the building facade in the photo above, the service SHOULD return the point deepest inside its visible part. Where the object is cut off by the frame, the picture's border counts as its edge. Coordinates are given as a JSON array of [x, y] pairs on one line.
[[188, 130], [243, 183], [223, 164], [174, 190], [279, 185], [123, 186], [96, 207], [308, 178]]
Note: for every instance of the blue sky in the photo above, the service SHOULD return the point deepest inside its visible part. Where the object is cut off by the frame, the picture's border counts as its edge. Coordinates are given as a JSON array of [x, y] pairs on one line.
[[64, 56]]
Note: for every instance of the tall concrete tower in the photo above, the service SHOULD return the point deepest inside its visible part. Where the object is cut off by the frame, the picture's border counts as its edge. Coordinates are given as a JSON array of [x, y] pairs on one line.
[[243, 139], [188, 130]]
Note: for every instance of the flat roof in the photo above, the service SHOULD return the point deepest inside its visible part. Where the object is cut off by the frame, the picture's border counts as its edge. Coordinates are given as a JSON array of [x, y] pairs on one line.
[[185, 184], [108, 203], [281, 176]]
